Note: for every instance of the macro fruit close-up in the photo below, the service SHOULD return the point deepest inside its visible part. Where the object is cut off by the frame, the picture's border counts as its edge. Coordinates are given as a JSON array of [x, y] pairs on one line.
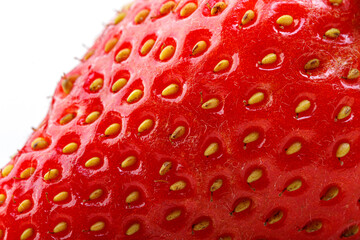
[[216, 119]]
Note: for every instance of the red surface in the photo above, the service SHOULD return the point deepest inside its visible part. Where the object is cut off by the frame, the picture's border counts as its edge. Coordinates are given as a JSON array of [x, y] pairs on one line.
[[285, 84]]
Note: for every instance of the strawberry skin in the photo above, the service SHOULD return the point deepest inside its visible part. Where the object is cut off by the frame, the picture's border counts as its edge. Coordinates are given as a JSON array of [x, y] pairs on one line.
[[200, 120]]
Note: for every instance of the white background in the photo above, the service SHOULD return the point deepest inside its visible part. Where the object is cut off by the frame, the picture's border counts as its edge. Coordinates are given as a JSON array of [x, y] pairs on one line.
[[38, 42]]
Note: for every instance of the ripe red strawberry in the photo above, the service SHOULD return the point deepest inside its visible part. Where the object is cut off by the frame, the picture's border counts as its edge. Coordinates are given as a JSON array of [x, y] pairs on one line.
[[200, 120]]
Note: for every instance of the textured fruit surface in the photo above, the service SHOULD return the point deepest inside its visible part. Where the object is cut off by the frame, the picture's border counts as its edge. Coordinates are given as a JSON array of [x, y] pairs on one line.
[[200, 120]]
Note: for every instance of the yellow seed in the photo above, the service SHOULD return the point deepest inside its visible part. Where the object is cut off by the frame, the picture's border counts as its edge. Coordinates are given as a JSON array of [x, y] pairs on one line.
[[7, 170], [92, 117], [170, 90], [60, 227], [119, 84], [303, 106], [133, 229], [221, 66], [134, 96], [145, 49], [122, 55], [51, 174], [165, 168], [285, 20], [2, 198], [188, 9], [128, 162], [119, 18], [225, 238], [312, 64], [167, 53], [295, 185], [216, 185], [313, 226], [173, 215], [294, 148], [167, 7], [39, 144], [269, 59], [211, 149], [92, 162], [248, 16], [88, 55], [330, 194], [254, 175], [351, 231], [70, 148], [256, 98], [210, 104], [145, 125], [332, 33], [96, 194], [96, 85], [179, 132], [67, 118], [98, 226], [277, 216], [132, 197], [342, 150], [110, 44], [27, 173], [218, 7], [201, 225], [252, 137], [1, 233], [353, 74], [67, 85], [27, 234], [335, 2], [113, 129], [141, 16], [242, 205], [24, 205], [180, 185], [344, 112], [61, 197], [199, 48]]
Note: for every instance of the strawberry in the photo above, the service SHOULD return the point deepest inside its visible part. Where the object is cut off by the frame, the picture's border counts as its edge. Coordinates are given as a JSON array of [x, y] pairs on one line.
[[200, 120]]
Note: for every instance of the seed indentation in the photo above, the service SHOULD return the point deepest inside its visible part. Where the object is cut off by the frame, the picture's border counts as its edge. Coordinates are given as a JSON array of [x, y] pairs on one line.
[[188, 9]]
